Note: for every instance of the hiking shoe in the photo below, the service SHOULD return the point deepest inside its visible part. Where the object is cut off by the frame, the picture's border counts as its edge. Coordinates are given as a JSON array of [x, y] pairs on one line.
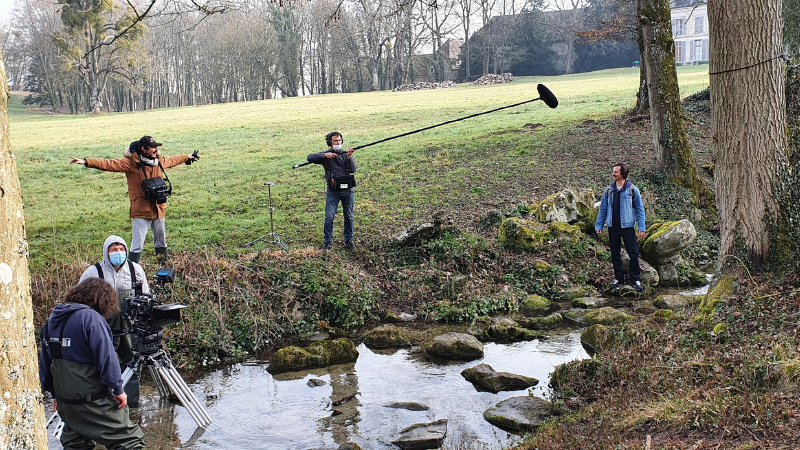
[[326, 246], [615, 285], [638, 286], [349, 245]]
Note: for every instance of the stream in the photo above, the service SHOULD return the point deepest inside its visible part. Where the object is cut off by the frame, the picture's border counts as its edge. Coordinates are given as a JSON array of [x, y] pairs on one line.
[[253, 409]]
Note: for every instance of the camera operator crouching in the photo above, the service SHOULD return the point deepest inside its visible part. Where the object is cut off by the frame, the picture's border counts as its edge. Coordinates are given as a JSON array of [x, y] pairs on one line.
[[80, 371], [148, 189], [340, 168], [128, 279]]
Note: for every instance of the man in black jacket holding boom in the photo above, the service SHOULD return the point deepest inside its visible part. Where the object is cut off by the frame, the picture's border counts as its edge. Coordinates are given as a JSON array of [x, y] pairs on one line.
[[340, 184]]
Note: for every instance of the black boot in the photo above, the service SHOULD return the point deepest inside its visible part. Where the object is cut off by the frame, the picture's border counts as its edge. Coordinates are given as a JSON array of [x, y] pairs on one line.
[[134, 256], [161, 255]]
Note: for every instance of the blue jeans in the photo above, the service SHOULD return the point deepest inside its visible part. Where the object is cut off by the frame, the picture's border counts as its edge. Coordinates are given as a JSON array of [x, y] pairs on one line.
[[332, 199]]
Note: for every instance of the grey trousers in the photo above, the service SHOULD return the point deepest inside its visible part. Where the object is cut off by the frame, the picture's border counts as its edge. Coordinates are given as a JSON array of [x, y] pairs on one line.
[[140, 227]]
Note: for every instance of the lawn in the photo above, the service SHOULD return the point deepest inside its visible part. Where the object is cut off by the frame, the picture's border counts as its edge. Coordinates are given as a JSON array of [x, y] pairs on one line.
[[220, 202]]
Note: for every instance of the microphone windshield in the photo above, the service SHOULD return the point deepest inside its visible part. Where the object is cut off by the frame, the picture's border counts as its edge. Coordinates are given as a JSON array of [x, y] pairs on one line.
[[547, 97]]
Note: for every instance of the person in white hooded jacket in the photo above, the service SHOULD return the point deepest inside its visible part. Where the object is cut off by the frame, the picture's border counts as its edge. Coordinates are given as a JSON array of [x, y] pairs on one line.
[[125, 275]]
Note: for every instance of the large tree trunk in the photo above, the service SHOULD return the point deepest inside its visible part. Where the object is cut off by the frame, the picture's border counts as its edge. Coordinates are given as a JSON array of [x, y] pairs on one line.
[[642, 96], [21, 412], [673, 155], [748, 121]]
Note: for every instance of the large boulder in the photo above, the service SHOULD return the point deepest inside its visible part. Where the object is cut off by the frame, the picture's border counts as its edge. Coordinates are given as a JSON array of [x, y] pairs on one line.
[[422, 232], [500, 329], [519, 413], [663, 245], [530, 235], [386, 336], [535, 305], [649, 275], [484, 376], [544, 323], [604, 316], [422, 435], [458, 346], [565, 206], [318, 354]]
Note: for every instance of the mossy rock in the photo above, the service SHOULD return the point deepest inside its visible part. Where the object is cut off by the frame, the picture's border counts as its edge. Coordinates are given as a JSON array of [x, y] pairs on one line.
[[349, 446], [541, 266], [722, 289], [519, 413], [596, 338], [457, 346], [535, 305], [662, 316], [529, 235], [604, 316], [573, 292], [386, 336], [545, 323], [588, 302], [318, 354], [500, 329], [581, 210], [674, 301]]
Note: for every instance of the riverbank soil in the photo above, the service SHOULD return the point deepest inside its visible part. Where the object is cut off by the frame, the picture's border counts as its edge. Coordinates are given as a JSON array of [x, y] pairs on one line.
[[727, 380]]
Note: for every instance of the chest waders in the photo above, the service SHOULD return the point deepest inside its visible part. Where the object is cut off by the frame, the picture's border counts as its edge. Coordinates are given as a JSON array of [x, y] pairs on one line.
[[85, 403], [123, 340]]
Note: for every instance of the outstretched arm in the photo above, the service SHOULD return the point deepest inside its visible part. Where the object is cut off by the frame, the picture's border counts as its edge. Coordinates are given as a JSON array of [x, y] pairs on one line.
[[74, 160]]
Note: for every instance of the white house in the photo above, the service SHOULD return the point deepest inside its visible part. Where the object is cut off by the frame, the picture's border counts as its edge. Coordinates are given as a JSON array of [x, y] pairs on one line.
[[690, 31]]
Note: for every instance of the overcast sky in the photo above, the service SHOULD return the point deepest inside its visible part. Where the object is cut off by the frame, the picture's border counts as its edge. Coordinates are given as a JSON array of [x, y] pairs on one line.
[[5, 8]]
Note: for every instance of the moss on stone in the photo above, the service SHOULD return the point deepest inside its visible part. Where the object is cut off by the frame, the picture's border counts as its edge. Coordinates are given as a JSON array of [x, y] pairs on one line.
[[723, 288], [720, 328], [574, 292], [386, 336], [535, 305], [654, 232], [606, 316], [596, 338], [544, 323], [663, 315], [318, 354], [525, 234], [541, 266]]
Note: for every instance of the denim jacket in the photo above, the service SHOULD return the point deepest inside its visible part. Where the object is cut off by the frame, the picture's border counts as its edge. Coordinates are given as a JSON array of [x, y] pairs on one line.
[[631, 211]]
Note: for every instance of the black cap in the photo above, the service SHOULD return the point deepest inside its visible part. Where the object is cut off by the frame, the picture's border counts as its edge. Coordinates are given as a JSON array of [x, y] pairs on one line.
[[148, 141]]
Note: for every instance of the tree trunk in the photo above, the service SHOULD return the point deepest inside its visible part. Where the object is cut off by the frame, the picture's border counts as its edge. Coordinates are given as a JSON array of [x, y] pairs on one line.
[[642, 96], [673, 155], [748, 122], [21, 414]]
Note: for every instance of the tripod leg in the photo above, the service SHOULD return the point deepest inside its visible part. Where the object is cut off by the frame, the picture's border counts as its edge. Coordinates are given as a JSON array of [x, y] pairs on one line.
[[182, 384], [163, 389], [133, 366]]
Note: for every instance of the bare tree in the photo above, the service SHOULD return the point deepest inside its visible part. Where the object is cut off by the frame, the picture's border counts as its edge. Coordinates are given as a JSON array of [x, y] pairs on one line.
[[748, 122]]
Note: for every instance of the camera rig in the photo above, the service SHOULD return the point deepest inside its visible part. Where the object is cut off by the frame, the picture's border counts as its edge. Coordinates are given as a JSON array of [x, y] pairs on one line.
[[149, 317]]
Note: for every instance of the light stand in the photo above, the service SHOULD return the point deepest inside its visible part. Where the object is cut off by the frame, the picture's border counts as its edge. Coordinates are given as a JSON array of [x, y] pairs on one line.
[[274, 237]]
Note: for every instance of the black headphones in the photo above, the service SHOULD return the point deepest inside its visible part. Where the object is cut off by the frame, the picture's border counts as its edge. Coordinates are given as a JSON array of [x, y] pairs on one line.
[[329, 137]]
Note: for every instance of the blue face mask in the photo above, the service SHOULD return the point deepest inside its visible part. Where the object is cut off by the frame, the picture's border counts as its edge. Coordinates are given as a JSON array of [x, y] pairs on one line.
[[117, 258]]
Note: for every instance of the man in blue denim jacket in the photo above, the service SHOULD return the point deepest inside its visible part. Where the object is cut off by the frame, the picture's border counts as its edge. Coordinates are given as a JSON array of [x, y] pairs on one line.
[[621, 210], [340, 169]]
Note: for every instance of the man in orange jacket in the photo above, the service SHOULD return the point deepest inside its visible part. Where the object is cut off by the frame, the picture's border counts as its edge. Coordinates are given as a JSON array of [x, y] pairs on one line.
[[141, 161]]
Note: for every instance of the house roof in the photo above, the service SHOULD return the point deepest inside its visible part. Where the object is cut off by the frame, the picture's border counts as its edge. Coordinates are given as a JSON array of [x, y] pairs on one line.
[[685, 3]]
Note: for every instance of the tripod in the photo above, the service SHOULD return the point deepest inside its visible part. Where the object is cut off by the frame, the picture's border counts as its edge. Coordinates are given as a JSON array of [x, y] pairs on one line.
[[168, 379], [275, 239]]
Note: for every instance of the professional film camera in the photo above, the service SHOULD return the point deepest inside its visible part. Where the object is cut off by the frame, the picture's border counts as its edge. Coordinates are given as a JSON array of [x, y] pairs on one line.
[[149, 317]]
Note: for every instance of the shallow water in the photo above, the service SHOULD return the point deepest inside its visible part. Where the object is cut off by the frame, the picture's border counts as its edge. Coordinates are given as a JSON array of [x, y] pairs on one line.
[[253, 409]]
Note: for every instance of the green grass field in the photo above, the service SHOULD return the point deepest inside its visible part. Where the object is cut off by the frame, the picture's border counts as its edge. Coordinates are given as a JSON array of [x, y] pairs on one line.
[[220, 202]]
